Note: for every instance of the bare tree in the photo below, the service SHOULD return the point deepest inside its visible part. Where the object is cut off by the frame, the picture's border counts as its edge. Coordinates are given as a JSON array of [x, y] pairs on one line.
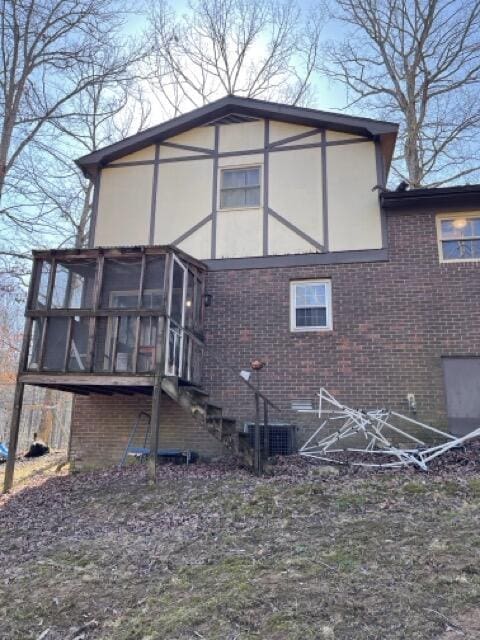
[[104, 114], [43, 45], [256, 48], [57, 188], [416, 61]]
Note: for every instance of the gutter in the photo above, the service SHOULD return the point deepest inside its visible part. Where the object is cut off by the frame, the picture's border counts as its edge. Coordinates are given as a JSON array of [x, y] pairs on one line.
[[435, 197]]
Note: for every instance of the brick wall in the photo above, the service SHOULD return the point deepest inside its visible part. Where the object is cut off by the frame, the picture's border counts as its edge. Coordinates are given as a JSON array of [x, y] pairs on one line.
[[101, 426], [392, 322]]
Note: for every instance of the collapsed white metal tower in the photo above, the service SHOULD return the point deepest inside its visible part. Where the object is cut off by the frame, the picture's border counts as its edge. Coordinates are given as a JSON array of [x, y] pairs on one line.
[[377, 428]]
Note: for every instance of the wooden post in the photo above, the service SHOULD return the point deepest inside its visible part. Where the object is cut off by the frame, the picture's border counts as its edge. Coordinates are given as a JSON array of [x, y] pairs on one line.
[[92, 328], [113, 357], [66, 355], [154, 429], [156, 401], [138, 318], [13, 441], [17, 409], [162, 341], [160, 355]]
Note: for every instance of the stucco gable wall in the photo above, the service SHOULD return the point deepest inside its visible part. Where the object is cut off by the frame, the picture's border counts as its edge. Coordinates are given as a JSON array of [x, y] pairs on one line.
[[315, 192]]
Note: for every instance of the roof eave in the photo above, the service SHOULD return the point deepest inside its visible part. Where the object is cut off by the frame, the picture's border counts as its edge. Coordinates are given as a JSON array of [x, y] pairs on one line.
[[460, 197], [385, 131]]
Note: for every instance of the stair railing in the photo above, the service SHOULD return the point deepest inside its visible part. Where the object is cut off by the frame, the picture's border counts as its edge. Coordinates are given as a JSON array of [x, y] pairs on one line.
[[260, 453]]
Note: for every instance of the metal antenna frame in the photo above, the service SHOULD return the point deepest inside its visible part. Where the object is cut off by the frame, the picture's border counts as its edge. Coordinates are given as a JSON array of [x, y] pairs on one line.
[[375, 427]]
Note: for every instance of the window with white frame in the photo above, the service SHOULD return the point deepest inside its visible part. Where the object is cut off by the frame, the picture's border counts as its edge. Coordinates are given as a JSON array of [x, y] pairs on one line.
[[310, 305], [459, 237], [240, 188]]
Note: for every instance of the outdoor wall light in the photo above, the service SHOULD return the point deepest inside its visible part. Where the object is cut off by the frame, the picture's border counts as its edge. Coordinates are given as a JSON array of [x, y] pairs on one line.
[[207, 298], [412, 403]]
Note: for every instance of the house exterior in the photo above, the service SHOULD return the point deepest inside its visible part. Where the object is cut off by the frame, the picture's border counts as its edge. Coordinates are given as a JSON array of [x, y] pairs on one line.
[[298, 256]]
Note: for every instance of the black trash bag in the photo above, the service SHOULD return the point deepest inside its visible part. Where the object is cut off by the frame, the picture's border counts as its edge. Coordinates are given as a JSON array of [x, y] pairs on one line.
[[37, 448]]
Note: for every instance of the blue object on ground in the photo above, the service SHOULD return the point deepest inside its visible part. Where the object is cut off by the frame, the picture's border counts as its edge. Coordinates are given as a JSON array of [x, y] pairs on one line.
[[3, 450]]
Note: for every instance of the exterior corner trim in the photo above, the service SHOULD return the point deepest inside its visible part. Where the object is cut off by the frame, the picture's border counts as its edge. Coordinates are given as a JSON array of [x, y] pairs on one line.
[[213, 243], [266, 176], [94, 216], [153, 206], [324, 190]]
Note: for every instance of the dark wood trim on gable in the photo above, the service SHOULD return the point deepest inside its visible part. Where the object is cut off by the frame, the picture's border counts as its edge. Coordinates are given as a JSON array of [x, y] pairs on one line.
[[266, 178], [242, 106], [300, 259], [245, 152], [153, 209], [381, 173], [213, 246], [296, 230], [233, 154], [187, 147], [381, 180], [191, 230], [268, 147], [129, 163], [93, 218], [324, 190], [339, 143], [298, 136]]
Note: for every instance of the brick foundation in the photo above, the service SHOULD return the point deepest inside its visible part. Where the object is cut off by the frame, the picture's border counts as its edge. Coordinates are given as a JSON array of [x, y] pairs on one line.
[[101, 426]]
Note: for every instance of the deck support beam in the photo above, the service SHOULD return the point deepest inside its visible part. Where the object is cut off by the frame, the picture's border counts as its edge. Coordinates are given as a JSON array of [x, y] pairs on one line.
[[156, 401], [17, 402], [13, 440], [154, 430]]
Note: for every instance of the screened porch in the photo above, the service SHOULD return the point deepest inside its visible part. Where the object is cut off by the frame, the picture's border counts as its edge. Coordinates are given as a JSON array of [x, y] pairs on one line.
[[114, 315]]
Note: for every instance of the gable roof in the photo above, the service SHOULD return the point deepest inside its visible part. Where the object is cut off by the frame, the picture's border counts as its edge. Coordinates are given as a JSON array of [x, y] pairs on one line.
[[233, 108]]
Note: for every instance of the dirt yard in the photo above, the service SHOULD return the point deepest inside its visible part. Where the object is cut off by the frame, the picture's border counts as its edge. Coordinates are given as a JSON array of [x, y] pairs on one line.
[[215, 553], [27, 468]]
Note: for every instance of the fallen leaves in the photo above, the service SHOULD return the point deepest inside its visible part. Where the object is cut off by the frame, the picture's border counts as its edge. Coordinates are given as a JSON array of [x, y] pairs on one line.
[[213, 552]]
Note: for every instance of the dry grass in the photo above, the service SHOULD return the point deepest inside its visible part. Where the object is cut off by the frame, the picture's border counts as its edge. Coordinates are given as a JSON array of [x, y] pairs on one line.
[[27, 468], [217, 554]]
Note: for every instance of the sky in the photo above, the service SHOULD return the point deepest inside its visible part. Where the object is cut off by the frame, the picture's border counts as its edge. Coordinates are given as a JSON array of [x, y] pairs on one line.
[[326, 96]]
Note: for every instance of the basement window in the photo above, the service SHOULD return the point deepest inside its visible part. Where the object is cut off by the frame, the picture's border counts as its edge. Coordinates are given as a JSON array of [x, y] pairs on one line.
[[310, 305], [240, 188], [459, 237]]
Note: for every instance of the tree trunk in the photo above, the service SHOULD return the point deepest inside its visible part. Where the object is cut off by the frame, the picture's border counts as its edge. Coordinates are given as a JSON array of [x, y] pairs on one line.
[[46, 421], [411, 150]]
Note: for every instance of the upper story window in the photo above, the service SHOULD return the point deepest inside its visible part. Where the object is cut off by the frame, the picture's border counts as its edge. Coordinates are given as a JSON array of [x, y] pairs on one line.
[[240, 188], [310, 305], [459, 237]]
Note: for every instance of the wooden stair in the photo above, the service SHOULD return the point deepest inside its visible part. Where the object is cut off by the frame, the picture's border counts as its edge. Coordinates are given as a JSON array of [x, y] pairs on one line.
[[195, 401]]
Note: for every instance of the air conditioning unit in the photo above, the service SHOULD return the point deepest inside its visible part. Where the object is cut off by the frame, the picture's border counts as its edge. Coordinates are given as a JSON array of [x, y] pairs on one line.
[[281, 438]]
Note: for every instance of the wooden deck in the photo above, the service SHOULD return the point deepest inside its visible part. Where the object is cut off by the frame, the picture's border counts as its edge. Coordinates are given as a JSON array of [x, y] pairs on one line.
[[117, 320]]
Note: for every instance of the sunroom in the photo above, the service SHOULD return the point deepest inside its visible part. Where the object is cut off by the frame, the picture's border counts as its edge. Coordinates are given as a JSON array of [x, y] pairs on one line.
[[113, 316]]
